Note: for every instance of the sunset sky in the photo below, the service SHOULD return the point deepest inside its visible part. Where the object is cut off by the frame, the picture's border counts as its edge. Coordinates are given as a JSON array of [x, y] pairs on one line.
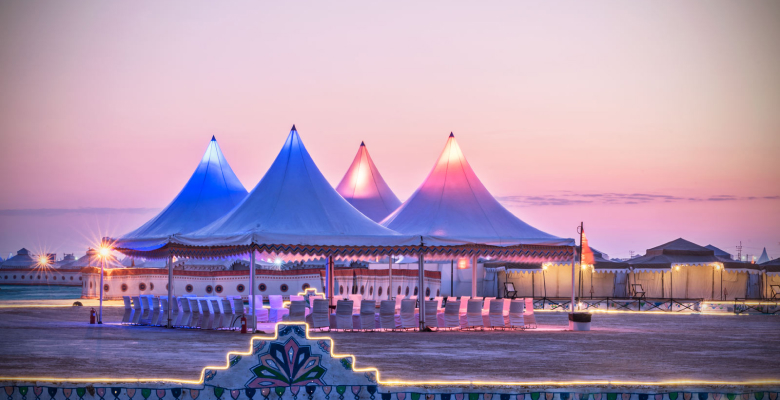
[[647, 120]]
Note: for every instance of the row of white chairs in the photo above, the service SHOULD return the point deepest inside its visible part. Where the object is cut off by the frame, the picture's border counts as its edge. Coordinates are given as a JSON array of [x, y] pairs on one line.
[[186, 311], [501, 313]]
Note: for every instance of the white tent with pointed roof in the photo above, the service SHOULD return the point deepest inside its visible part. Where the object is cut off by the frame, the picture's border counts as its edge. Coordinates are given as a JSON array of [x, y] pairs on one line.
[[364, 188], [294, 205], [764, 257], [453, 204], [212, 191]]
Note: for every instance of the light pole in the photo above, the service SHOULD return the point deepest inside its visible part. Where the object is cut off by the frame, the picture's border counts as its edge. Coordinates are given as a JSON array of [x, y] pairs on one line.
[[104, 252]]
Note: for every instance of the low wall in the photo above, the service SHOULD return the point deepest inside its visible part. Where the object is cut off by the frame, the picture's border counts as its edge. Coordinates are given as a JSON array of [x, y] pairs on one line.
[[40, 276], [154, 281]]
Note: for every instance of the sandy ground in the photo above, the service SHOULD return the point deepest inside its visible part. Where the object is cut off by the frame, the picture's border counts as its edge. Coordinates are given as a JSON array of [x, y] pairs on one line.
[[58, 342]]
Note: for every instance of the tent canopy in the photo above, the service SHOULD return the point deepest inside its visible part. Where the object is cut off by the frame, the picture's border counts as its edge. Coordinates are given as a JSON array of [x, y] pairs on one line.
[[212, 191], [453, 204], [294, 205], [682, 252], [718, 252], [21, 259], [364, 188]]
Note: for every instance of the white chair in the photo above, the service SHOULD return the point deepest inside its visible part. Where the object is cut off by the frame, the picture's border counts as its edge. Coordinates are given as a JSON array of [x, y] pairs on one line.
[[145, 310], [162, 318], [407, 314], [295, 297], [486, 304], [464, 304], [452, 313], [344, 314], [496, 313], [516, 314], [368, 314], [175, 311], [207, 318], [128, 310], [228, 315], [277, 311], [431, 314], [320, 316], [261, 313], [438, 300], [297, 311], [398, 300], [197, 314], [154, 308], [137, 310], [528, 315], [474, 314], [185, 319], [216, 310], [356, 299], [238, 311], [387, 314]]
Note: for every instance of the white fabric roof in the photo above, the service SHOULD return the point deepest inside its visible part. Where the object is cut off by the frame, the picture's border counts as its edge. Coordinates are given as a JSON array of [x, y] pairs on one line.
[[295, 205], [211, 192], [764, 257], [364, 188], [453, 204]]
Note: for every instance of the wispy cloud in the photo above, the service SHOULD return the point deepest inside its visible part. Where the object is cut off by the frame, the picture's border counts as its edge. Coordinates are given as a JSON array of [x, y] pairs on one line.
[[50, 212], [568, 198]]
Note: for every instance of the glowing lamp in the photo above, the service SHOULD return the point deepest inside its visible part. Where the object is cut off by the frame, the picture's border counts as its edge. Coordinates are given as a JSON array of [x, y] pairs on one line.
[[278, 261], [677, 268], [43, 260], [544, 267], [463, 263], [104, 252]]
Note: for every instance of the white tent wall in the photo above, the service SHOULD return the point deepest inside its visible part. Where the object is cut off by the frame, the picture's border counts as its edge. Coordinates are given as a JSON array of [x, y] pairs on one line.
[[489, 284], [651, 282], [734, 285], [602, 284], [526, 283], [621, 284], [771, 279], [753, 289]]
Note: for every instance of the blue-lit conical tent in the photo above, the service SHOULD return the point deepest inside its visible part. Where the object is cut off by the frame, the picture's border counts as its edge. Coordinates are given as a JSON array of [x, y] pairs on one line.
[[294, 206], [211, 192]]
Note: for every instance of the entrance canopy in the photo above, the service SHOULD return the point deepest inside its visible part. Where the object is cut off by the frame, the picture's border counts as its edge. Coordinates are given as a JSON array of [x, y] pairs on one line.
[[212, 191], [294, 210], [364, 188], [452, 205]]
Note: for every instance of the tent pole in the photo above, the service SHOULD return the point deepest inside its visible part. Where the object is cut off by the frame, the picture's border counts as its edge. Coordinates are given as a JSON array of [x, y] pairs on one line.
[[252, 287], [170, 287], [390, 268], [331, 282], [452, 278], [102, 265], [573, 274], [474, 276], [421, 291]]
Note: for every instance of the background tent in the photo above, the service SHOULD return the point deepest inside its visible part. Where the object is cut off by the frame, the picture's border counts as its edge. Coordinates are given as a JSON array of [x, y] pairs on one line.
[[764, 257], [684, 270], [452, 203], [364, 188], [22, 259], [212, 191]]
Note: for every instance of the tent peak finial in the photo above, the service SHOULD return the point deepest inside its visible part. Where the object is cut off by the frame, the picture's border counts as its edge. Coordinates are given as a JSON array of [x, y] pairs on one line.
[[362, 144], [451, 134], [293, 128], [213, 138]]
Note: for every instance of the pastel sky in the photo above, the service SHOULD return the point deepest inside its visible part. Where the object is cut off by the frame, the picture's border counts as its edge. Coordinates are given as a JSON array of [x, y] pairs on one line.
[[647, 120]]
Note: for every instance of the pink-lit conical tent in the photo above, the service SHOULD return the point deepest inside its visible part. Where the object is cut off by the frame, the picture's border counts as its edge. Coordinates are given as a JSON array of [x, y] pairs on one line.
[[453, 204], [212, 191], [364, 188]]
